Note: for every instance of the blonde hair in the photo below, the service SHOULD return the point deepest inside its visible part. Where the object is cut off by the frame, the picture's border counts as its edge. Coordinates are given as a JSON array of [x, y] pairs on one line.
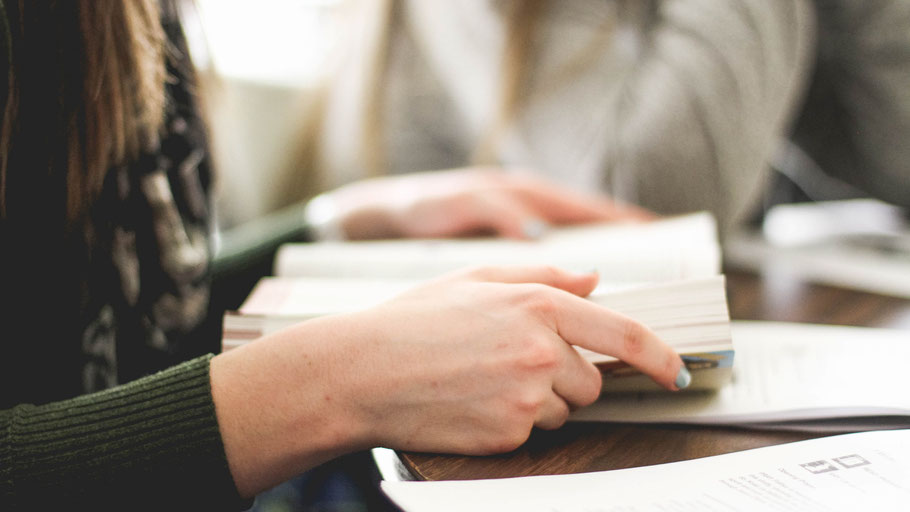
[[116, 88]]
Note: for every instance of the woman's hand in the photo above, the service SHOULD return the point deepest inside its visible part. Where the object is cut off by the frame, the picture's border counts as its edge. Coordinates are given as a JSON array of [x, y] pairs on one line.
[[479, 357], [463, 202], [467, 363]]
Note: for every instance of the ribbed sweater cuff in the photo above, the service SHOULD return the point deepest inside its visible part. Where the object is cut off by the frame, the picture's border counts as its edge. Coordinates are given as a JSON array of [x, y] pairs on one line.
[[150, 444]]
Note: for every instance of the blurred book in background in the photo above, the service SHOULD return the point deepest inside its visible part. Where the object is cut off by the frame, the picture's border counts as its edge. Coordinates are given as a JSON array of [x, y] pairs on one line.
[[672, 248], [861, 244]]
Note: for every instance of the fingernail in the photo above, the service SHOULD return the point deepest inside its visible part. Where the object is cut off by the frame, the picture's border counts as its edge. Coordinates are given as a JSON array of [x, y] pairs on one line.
[[533, 228], [683, 378]]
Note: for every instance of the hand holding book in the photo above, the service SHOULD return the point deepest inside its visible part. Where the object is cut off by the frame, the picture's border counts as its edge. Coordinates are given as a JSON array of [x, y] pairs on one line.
[[467, 363], [690, 315]]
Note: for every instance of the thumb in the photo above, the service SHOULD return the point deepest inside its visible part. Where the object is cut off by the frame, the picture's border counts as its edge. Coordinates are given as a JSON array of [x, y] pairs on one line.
[[574, 283]]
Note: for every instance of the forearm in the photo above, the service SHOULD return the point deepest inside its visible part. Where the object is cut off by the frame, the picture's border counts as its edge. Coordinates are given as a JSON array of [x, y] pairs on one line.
[[158, 442], [703, 112], [280, 403], [151, 443]]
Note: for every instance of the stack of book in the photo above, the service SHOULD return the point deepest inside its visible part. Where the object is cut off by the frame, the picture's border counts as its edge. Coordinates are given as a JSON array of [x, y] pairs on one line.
[[665, 274]]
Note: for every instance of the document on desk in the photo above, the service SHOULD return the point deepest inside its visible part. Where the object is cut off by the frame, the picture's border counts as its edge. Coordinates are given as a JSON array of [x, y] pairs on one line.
[[860, 244], [789, 376], [849, 473]]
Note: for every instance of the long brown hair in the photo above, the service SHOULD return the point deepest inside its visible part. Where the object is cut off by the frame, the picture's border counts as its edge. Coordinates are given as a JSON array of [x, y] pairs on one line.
[[104, 61]]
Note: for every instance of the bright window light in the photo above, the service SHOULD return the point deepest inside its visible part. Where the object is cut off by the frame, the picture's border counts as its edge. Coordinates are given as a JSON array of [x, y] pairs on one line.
[[278, 41]]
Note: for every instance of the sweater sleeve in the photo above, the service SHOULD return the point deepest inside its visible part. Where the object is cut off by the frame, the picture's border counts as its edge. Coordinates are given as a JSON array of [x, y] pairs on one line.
[[150, 444], [708, 102], [856, 118]]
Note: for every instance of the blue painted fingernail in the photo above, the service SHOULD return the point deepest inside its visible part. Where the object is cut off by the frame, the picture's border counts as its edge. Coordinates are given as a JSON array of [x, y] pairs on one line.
[[683, 378], [533, 228]]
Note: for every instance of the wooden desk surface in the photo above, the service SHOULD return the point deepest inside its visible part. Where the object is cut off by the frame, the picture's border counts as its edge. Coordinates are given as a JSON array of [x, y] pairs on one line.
[[581, 447]]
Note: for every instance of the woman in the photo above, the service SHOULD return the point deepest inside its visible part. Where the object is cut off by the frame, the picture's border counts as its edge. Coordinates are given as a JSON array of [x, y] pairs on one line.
[[104, 223], [672, 106], [104, 199]]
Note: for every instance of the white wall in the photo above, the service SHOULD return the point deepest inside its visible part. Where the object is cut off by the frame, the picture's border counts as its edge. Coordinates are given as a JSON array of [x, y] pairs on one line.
[[260, 62]]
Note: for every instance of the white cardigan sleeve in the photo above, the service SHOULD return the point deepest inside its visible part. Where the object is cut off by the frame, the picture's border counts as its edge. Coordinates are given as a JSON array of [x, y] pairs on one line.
[[700, 117]]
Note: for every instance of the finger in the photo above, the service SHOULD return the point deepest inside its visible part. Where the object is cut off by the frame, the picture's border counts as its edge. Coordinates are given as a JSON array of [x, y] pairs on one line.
[[562, 205], [577, 381], [635, 213], [552, 413], [574, 283], [505, 216], [589, 325], [472, 213]]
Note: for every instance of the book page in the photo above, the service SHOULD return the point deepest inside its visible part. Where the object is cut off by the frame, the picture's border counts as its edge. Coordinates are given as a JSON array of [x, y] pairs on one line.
[[311, 297], [849, 473], [672, 248], [690, 315], [787, 372]]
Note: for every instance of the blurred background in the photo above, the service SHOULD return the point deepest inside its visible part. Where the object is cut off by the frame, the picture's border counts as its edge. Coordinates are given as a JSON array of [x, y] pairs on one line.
[[739, 107], [261, 69], [264, 70]]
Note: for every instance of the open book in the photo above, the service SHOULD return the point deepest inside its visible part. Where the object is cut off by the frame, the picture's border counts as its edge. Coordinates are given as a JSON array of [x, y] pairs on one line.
[[866, 471], [690, 315], [789, 376], [663, 250]]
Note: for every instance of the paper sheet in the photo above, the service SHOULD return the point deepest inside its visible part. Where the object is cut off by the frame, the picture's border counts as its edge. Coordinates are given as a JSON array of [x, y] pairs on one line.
[[859, 244], [788, 372], [849, 473]]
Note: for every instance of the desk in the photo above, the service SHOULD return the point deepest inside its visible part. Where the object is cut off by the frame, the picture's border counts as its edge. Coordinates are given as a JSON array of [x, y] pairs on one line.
[[582, 447]]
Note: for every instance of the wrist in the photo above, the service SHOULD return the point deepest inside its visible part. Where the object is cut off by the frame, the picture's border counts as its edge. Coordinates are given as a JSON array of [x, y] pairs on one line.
[[278, 408]]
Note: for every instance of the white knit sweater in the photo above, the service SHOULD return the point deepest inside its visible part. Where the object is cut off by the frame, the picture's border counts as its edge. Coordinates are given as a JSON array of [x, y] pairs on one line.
[[679, 109]]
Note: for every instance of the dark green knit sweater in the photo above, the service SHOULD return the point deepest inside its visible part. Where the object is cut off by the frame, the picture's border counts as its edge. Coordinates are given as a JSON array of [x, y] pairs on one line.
[[150, 444]]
